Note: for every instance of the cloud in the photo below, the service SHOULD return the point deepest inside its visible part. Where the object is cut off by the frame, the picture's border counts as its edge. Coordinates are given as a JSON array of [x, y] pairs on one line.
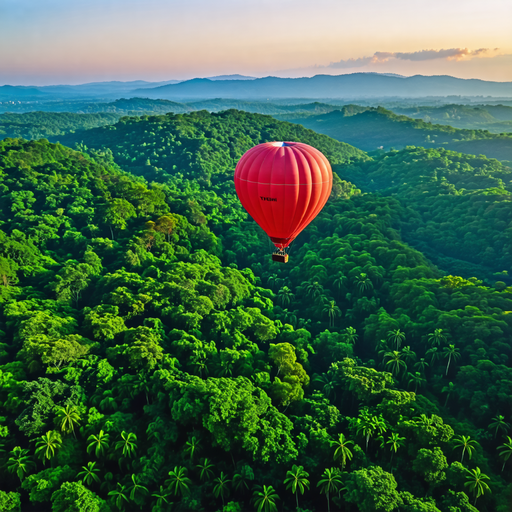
[[422, 55]]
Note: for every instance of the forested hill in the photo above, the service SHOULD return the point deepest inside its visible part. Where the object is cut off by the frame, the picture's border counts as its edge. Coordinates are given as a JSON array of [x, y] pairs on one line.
[[147, 363], [462, 206], [46, 125], [495, 118], [378, 127], [199, 145]]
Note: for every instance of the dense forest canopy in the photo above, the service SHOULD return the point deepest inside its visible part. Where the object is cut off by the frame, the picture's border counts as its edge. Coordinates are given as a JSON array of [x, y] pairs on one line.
[[495, 118], [461, 206], [380, 128], [153, 357]]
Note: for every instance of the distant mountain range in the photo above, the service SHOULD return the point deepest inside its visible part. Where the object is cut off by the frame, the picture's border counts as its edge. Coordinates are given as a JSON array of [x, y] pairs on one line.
[[112, 90], [356, 85], [342, 87]]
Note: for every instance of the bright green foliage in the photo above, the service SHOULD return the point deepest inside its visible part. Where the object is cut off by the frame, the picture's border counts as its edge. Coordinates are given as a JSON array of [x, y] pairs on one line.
[[98, 443], [127, 444], [47, 445], [265, 498], [170, 346], [74, 497], [20, 462], [10, 501], [505, 451], [330, 483], [467, 444], [342, 451], [89, 473], [476, 482], [67, 418], [372, 489], [178, 481], [297, 481]]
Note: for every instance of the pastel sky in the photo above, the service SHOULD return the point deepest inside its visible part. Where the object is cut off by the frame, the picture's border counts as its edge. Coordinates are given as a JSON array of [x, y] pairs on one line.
[[76, 41]]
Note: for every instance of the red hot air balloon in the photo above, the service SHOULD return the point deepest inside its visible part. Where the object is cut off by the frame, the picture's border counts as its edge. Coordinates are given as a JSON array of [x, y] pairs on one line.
[[283, 186]]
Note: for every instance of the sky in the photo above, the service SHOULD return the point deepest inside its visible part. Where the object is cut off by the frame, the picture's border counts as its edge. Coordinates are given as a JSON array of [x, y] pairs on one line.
[[45, 42]]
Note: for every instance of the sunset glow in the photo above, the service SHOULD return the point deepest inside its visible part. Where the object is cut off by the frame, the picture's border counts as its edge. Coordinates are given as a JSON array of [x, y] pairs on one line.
[[56, 41]]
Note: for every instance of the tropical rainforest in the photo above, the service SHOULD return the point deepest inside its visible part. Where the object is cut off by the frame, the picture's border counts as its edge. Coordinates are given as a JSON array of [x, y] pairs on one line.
[[153, 357]]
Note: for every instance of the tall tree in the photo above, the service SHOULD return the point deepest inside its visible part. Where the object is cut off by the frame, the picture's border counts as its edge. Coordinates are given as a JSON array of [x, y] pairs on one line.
[[342, 451], [297, 481], [467, 444], [67, 418], [329, 483], [499, 423], [450, 352], [476, 481], [220, 487], [505, 451], [264, 499]]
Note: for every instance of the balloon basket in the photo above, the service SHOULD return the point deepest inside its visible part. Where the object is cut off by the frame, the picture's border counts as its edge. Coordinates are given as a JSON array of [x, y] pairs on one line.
[[280, 257]]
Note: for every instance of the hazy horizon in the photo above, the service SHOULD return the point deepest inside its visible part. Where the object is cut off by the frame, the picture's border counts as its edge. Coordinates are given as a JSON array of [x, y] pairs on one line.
[[55, 42]]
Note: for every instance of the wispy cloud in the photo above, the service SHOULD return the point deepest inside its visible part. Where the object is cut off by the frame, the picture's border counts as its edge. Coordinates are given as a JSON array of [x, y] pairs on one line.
[[422, 55]]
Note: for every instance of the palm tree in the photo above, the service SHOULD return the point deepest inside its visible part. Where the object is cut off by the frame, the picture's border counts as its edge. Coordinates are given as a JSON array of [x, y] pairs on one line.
[[178, 481], [363, 282], [505, 451], [205, 469], [449, 390], [395, 442], [67, 418], [285, 296], [108, 402], [120, 495], [349, 335], [161, 496], [499, 423], [396, 337], [272, 280], [476, 482], [433, 353], [417, 380], [98, 444], [19, 462], [47, 445], [436, 338], [395, 362], [192, 446], [338, 282], [88, 475], [241, 480], [451, 351], [421, 365], [297, 480], [136, 488], [221, 486], [408, 355], [332, 310], [329, 382], [467, 444], [330, 482], [342, 450], [265, 498], [315, 289], [127, 443]]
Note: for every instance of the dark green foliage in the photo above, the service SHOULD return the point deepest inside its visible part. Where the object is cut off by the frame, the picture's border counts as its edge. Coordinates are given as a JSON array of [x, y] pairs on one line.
[[379, 128]]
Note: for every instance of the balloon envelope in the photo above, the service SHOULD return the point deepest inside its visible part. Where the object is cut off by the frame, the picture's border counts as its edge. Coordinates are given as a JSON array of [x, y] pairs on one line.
[[283, 186]]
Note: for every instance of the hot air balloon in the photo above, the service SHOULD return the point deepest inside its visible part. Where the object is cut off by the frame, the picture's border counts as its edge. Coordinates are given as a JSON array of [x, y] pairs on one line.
[[283, 186]]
